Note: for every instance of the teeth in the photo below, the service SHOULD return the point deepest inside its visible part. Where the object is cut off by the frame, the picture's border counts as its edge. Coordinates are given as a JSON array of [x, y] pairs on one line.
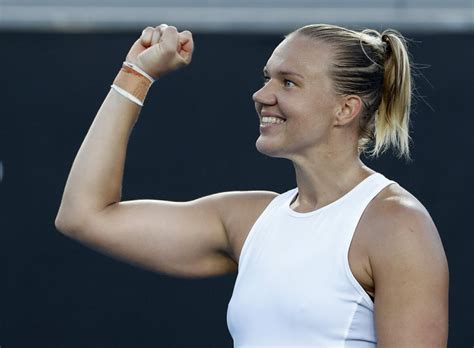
[[277, 120]]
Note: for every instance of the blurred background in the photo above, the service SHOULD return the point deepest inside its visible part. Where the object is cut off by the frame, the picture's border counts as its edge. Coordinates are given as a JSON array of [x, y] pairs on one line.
[[195, 137]]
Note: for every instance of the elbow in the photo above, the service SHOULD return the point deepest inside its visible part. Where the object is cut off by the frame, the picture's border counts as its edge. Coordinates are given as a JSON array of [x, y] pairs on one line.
[[61, 223], [69, 221]]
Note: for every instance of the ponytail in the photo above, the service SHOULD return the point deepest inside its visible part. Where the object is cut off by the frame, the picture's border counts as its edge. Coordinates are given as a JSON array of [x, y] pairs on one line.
[[393, 115], [375, 67]]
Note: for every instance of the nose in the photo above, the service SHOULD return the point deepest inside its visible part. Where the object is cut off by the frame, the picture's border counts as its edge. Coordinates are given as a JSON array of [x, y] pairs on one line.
[[265, 95]]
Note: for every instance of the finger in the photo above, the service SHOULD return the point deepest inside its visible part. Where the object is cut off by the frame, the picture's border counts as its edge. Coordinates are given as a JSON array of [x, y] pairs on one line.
[[186, 44], [169, 39], [156, 36], [146, 36], [185, 38]]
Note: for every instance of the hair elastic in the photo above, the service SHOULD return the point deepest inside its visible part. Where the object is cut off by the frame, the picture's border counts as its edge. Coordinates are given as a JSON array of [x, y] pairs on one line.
[[363, 50], [139, 70], [127, 95], [132, 84]]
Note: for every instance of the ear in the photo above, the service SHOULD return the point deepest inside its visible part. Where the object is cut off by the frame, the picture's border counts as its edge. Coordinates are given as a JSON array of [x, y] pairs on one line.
[[349, 109]]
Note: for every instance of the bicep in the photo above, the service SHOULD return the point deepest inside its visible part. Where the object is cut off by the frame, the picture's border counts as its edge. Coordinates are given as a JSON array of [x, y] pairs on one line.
[[411, 284], [178, 238]]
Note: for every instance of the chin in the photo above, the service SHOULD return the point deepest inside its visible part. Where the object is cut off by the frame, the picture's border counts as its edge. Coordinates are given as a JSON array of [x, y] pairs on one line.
[[269, 149]]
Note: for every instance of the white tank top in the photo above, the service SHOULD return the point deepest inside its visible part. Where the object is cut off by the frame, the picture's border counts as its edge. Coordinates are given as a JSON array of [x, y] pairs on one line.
[[294, 287]]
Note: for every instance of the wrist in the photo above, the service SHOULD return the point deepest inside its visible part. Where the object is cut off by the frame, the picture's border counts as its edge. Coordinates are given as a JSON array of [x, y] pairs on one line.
[[132, 83], [139, 70]]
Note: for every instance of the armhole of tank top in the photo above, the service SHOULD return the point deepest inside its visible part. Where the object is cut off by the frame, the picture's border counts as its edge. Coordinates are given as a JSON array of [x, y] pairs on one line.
[[259, 224], [347, 243]]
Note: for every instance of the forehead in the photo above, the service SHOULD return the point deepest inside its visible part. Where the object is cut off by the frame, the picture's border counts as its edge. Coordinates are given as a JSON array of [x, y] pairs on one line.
[[304, 55]]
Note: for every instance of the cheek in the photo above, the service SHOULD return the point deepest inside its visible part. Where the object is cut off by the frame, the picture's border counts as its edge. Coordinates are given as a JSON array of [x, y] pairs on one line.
[[313, 114], [314, 122]]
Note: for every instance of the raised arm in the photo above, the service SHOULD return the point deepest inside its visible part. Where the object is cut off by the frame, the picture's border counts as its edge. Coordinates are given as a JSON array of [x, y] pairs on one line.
[[194, 238]]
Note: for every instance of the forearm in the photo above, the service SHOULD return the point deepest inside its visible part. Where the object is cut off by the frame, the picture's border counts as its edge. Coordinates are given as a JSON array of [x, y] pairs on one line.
[[95, 178]]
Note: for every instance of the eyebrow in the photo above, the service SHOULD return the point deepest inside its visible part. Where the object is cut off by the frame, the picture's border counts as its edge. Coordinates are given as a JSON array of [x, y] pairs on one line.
[[284, 73]]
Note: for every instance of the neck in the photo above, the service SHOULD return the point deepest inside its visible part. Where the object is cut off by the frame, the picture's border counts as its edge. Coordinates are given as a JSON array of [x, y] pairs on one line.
[[325, 178]]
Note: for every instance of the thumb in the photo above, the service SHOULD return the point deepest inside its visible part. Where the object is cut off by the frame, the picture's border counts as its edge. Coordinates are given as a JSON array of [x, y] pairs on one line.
[[186, 45]]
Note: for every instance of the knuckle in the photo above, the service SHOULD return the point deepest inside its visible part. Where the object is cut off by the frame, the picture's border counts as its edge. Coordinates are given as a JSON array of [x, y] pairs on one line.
[[155, 38], [146, 33], [187, 32]]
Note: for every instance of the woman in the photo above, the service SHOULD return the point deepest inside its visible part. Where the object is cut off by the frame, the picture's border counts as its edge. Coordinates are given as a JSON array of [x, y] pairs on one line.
[[348, 258]]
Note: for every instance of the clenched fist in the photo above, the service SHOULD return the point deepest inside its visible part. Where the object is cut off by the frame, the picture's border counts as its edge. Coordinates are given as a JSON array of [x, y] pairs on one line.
[[161, 49]]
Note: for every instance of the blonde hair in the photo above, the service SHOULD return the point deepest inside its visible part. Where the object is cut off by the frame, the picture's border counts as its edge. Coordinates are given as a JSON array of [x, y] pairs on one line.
[[376, 67]]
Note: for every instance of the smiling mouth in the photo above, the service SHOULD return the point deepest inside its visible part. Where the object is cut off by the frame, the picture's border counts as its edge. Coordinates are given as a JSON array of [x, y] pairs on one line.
[[271, 120]]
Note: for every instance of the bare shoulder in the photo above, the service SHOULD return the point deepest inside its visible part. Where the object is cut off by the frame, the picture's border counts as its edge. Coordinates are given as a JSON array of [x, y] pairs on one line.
[[396, 230], [238, 211], [396, 214], [409, 270], [396, 222]]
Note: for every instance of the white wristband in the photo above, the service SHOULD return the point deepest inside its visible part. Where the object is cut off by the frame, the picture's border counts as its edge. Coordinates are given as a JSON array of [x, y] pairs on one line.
[[139, 70], [127, 95]]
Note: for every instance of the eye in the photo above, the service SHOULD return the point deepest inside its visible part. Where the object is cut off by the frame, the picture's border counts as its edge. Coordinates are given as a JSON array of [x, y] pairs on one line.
[[265, 79], [289, 83]]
